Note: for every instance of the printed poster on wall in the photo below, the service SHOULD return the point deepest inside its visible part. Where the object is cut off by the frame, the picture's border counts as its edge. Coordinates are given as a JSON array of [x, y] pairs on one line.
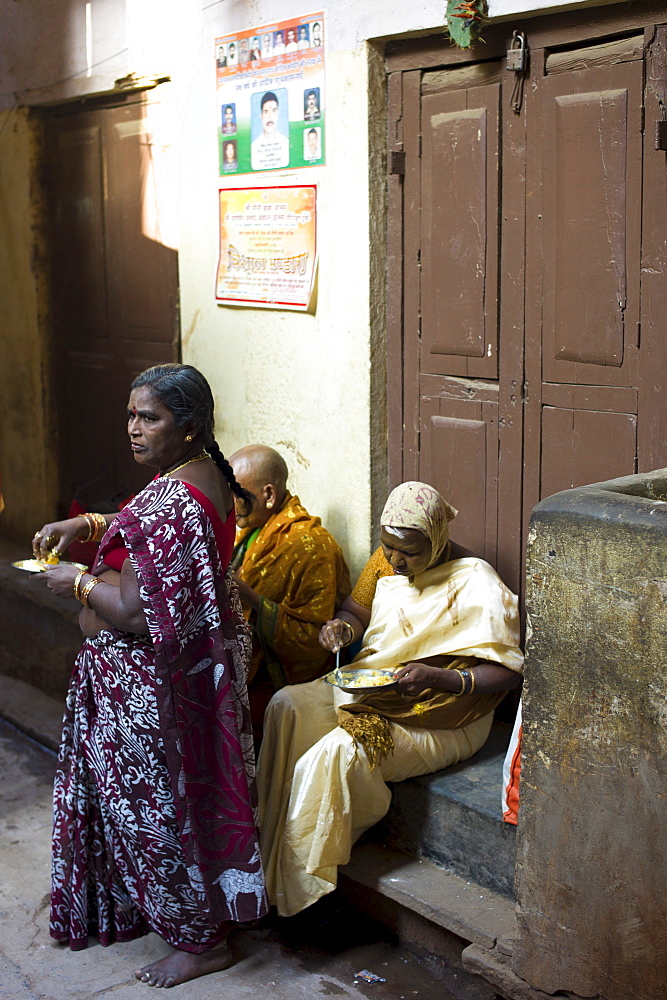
[[270, 87], [267, 246]]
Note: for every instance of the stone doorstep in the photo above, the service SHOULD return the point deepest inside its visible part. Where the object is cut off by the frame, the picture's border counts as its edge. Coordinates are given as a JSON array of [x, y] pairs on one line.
[[477, 915], [473, 913], [36, 714], [39, 632], [496, 968], [452, 818]]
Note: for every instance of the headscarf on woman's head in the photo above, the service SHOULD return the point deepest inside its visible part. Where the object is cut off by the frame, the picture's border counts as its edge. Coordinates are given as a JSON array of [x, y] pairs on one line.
[[419, 506]]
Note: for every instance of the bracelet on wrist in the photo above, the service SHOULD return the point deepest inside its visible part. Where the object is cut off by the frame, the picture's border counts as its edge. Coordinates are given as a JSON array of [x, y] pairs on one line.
[[467, 681], [77, 583], [84, 592], [351, 639], [97, 526]]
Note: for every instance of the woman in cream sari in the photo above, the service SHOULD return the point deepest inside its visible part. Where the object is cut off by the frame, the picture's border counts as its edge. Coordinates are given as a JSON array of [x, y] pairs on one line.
[[450, 628]]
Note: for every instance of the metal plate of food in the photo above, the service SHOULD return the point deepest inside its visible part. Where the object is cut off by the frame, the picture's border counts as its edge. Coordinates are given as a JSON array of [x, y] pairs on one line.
[[362, 679], [39, 566]]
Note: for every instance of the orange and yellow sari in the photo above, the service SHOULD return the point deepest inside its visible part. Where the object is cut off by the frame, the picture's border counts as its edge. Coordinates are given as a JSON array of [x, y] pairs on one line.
[[298, 568]]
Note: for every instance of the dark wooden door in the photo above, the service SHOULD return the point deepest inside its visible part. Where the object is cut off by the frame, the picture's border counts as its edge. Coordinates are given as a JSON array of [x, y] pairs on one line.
[[463, 421], [520, 338], [115, 288]]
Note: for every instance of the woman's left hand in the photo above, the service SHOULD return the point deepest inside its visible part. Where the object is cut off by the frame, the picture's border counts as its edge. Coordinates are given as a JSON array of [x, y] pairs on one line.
[[414, 678], [61, 579]]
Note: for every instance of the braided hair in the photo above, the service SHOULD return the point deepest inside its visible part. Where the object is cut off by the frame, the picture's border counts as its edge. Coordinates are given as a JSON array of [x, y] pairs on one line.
[[187, 395]]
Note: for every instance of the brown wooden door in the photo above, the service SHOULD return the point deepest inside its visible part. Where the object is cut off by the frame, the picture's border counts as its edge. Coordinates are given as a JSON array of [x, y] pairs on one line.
[[584, 248], [463, 423], [115, 289], [521, 338]]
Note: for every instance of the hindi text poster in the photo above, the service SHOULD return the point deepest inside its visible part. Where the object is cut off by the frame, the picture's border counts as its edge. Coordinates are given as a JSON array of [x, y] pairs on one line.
[[268, 246]]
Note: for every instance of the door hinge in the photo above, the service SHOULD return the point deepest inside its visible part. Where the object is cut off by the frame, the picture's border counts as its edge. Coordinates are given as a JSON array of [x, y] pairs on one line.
[[397, 162], [661, 135]]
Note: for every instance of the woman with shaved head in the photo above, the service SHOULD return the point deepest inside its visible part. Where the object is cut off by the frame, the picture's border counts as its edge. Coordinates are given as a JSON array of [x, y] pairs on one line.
[[291, 575]]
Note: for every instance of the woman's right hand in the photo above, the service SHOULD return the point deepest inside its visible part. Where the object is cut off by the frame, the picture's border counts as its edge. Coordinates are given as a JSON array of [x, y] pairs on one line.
[[335, 634], [58, 535]]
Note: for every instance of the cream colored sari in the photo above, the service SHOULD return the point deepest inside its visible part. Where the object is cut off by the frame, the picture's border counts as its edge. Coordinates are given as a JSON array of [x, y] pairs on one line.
[[318, 792]]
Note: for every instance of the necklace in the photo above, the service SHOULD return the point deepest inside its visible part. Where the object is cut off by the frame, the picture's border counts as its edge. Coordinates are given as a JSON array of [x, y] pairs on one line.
[[198, 458]]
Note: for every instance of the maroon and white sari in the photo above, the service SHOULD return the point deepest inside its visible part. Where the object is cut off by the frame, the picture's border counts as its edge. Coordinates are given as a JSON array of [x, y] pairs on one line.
[[155, 809]]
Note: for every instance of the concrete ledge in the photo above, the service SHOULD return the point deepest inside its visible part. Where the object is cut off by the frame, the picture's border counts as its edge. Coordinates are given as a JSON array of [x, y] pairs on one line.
[[464, 908], [495, 968], [453, 818], [33, 712], [39, 632]]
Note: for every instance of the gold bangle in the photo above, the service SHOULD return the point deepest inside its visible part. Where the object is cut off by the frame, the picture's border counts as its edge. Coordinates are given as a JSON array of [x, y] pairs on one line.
[[91, 528], [100, 527], [472, 681], [351, 628], [457, 694], [97, 527], [77, 583], [85, 593]]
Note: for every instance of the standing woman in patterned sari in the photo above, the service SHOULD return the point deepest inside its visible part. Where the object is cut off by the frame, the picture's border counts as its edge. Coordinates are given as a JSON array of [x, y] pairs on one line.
[[155, 805]]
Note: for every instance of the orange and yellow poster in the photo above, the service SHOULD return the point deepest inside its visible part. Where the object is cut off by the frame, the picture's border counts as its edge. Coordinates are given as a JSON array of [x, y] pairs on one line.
[[267, 246]]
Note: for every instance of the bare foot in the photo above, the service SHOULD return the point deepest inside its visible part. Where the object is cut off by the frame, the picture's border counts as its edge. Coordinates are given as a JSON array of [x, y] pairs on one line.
[[181, 966]]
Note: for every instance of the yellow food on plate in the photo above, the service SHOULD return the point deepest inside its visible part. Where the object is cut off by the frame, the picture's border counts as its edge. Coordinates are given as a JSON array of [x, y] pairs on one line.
[[366, 678], [369, 681]]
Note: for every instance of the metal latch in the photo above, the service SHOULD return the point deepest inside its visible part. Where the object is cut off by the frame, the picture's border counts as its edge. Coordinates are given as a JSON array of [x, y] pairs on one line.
[[517, 54]]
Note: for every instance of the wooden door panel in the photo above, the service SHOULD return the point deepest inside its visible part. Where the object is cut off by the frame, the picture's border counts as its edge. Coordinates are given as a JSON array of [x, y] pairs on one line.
[[411, 342], [459, 232], [81, 292], [142, 267], [585, 446], [592, 156], [115, 289], [87, 463], [459, 456]]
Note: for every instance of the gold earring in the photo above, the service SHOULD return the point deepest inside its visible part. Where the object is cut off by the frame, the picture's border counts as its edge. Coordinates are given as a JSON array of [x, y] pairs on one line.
[[188, 438], [269, 504]]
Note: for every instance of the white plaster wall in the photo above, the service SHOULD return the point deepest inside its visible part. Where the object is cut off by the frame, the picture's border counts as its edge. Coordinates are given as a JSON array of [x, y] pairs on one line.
[[298, 382]]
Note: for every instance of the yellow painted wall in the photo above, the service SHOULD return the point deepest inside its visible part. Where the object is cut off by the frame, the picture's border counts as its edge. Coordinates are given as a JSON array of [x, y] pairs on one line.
[[26, 427]]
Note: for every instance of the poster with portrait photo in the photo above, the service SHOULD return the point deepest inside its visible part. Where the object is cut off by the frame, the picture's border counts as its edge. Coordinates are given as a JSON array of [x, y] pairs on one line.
[[272, 77], [311, 104], [229, 156], [269, 129], [312, 145], [228, 119]]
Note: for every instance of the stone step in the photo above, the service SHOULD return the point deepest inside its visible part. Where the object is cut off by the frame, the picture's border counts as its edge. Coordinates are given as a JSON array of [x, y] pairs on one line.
[[450, 922], [39, 632], [453, 818], [461, 906], [36, 714]]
